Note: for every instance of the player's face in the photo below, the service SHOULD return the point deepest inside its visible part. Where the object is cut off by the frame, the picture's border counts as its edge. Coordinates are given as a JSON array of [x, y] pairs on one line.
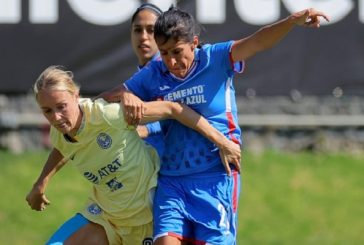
[[61, 109], [178, 56], [142, 36]]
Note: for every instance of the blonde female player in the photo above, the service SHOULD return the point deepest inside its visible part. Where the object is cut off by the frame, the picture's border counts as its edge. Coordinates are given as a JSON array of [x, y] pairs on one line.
[[93, 136]]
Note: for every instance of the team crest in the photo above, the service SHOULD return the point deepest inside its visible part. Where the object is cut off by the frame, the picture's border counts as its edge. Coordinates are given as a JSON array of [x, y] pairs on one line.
[[94, 209], [104, 140], [148, 241]]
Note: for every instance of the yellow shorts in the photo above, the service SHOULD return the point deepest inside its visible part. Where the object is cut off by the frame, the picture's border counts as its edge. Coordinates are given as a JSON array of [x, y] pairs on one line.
[[122, 235], [128, 235]]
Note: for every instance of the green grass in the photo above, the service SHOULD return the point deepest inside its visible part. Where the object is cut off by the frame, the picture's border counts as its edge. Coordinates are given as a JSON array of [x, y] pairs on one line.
[[19, 224], [286, 198], [302, 199]]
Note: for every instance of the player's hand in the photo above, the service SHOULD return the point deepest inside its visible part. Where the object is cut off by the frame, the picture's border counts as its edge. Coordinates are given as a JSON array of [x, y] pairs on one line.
[[37, 200], [113, 95], [133, 108], [230, 153], [309, 17]]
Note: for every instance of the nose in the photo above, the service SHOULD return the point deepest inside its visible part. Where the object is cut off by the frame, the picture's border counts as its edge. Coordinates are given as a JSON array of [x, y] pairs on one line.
[[57, 115], [172, 61], [144, 35]]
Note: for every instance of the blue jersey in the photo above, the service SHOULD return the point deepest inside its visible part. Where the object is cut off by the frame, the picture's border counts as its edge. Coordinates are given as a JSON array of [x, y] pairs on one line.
[[208, 89], [155, 137]]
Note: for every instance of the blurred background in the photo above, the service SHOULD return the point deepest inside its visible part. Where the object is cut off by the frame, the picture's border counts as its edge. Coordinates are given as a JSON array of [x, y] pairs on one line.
[[308, 88], [300, 104]]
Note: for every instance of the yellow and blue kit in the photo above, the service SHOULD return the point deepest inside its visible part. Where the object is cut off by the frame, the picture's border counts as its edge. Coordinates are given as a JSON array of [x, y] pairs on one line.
[[120, 166]]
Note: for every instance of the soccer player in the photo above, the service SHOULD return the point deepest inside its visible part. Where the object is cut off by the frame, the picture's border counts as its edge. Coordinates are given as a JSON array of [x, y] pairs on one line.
[[196, 200], [93, 137], [145, 48]]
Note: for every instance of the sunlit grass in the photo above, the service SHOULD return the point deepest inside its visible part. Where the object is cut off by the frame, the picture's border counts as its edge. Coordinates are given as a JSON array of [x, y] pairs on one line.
[[286, 198], [302, 199]]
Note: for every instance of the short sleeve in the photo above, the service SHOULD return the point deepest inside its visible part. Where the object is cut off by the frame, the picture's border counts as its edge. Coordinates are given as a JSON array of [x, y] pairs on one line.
[[138, 83], [112, 113], [221, 52]]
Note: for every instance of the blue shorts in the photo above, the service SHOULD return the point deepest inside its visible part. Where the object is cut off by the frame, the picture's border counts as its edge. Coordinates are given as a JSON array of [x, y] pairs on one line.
[[67, 229], [201, 209]]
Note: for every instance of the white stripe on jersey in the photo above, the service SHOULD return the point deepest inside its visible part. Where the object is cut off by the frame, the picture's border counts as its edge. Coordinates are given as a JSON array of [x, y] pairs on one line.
[[227, 95]]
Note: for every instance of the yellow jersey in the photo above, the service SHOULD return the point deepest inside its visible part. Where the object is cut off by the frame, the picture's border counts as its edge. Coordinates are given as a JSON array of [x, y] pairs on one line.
[[111, 156]]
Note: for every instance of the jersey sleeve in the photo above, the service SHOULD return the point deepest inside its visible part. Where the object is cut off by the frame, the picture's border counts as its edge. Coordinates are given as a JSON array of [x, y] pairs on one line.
[[54, 138], [112, 113], [153, 128], [57, 141], [138, 83], [221, 52]]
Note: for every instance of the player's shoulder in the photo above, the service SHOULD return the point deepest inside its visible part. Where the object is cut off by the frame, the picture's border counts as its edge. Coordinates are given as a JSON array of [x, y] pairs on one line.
[[217, 46], [95, 111], [155, 66], [151, 71]]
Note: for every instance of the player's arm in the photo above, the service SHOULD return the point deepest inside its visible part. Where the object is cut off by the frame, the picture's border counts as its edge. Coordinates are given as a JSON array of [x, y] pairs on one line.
[[36, 198], [159, 110], [268, 36], [142, 131], [149, 129], [132, 105]]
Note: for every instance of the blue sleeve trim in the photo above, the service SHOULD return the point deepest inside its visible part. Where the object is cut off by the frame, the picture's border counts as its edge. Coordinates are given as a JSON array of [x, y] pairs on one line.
[[237, 66], [153, 128]]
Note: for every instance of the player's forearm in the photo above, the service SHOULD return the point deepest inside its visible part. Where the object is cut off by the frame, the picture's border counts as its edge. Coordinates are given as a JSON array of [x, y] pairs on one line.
[[159, 110], [265, 38], [270, 35], [54, 162], [191, 119], [113, 95]]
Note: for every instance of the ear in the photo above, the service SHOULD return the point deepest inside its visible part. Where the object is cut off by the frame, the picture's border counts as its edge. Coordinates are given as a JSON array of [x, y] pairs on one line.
[[195, 42]]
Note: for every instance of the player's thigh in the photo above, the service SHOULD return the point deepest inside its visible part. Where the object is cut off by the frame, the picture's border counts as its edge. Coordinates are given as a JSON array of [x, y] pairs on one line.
[[90, 234]]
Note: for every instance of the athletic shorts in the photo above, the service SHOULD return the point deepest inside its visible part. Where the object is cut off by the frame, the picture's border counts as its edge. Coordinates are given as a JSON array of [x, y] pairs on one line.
[[120, 235], [200, 209], [67, 229], [125, 235]]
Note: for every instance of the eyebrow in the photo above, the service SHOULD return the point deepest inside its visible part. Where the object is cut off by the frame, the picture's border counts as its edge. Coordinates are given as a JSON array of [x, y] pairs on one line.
[[44, 108], [138, 25]]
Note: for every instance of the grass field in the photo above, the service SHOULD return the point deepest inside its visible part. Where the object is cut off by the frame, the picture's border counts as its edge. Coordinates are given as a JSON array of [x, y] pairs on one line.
[[300, 198]]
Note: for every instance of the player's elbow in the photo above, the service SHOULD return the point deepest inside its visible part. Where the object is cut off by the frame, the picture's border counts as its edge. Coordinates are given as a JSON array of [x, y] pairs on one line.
[[175, 109]]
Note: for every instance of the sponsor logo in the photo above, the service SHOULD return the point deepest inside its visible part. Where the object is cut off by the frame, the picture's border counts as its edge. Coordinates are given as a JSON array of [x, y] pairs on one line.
[[188, 96], [94, 209], [91, 177], [102, 172], [104, 140], [165, 87], [114, 185]]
